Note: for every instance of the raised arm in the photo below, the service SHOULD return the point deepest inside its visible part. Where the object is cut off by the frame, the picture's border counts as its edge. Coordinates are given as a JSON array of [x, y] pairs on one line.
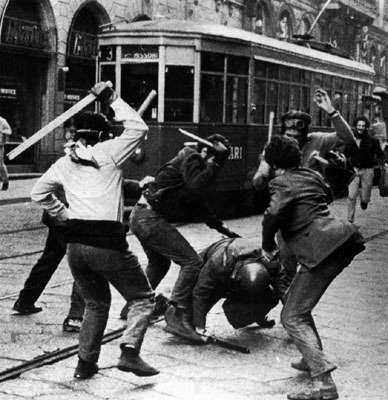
[[343, 130]]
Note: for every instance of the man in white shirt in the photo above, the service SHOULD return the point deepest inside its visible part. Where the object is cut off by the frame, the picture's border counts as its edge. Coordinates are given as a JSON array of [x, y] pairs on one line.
[[97, 249], [5, 129]]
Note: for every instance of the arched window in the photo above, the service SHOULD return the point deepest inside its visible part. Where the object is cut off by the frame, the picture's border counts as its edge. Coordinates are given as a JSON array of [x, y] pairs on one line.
[[284, 26], [262, 21], [304, 26]]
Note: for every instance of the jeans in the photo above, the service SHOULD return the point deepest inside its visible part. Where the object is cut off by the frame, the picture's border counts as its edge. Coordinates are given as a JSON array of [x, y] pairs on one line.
[[43, 270], [162, 244], [361, 184], [306, 289], [93, 269]]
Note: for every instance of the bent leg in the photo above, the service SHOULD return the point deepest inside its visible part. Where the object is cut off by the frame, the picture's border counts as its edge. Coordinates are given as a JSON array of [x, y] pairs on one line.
[[304, 293]]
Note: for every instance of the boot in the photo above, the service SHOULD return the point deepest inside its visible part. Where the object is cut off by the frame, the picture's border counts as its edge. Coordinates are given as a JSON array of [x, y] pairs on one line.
[[130, 361], [85, 369], [178, 323], [321, 387]]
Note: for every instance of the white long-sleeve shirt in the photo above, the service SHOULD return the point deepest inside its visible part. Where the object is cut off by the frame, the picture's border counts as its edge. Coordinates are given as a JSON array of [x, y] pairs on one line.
[[93, 193]]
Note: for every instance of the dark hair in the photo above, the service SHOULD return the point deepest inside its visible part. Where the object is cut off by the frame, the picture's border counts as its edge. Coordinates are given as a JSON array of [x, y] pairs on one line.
[[283, 152], [362, 118], [212, 139], [91, 126]]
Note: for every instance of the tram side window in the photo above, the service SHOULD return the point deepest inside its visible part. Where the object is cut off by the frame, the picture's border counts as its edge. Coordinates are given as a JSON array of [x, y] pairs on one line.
[[137, 80], [237, 90], [212, 87], [179, 94]]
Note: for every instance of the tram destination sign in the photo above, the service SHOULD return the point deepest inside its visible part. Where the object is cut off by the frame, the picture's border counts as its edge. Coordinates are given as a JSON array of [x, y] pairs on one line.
[[140, 52]]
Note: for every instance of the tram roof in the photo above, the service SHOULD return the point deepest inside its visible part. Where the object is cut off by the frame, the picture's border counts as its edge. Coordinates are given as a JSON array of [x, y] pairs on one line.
[[185, 29]]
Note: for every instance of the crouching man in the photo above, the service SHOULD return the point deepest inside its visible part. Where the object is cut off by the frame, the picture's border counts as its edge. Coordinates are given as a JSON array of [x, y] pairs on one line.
[[233, 269]]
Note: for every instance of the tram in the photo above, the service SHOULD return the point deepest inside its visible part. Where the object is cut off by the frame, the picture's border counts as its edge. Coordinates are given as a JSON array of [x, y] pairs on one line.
[[217, 79]]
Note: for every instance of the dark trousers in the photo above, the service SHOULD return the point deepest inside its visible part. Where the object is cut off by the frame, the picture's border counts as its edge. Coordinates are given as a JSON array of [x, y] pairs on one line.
[[43, 270], [93, 269], [306, 289], [162, 244]]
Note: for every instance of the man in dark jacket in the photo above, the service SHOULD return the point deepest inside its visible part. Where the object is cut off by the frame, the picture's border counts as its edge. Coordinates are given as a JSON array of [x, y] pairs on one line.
[[178, 193], [363, 155], [233, 269], [323, 246]]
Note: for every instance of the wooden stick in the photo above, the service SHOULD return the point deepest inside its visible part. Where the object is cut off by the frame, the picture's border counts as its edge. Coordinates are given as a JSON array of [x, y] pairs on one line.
[[197, 138], [270, 126], [41, 133]]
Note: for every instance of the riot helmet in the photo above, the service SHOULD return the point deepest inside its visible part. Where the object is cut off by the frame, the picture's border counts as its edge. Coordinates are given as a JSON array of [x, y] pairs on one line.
[[250, 280]]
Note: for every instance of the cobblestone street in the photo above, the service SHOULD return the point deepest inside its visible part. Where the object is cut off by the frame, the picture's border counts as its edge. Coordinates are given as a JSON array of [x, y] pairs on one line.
[[351, 318]]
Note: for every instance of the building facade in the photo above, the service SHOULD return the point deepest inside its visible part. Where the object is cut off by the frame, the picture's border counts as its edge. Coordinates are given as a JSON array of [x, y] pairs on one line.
[[48, 49]]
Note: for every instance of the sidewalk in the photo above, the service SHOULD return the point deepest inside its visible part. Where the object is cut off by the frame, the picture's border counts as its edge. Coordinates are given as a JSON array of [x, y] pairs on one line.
[[351, 318], [18, 192]]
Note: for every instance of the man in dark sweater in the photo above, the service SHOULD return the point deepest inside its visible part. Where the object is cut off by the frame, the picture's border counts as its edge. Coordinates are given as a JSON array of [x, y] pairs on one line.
[[363, 155], [176, 194]]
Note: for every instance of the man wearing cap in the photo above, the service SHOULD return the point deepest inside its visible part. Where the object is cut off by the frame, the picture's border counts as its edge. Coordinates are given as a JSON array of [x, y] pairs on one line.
[[178, 193], [234, 269]]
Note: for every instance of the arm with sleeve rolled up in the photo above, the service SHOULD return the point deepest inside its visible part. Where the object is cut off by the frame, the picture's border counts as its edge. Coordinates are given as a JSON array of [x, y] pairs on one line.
[[262, 176], [343, 131], [135, 130], [43, 194]]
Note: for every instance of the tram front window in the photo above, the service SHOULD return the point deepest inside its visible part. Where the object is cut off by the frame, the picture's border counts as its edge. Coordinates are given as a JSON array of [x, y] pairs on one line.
[[179, 94], [137, 80]]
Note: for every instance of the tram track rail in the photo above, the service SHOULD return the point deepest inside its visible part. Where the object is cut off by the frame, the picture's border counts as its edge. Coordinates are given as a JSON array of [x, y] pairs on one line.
[[66, 352]]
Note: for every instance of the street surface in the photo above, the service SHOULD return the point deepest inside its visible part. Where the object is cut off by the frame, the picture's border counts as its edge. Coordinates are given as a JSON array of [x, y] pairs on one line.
[[351, 318]]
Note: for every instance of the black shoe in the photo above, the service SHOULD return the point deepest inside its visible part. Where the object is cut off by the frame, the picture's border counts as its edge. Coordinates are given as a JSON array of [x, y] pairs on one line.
[[26, 309], [364, 206], [266, 323], [5, 185], [130, 361], [71, 324], [178, 323], [85, 369]]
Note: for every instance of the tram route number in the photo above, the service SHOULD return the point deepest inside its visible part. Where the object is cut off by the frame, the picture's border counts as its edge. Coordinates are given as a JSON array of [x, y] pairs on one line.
[[236, 153]]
